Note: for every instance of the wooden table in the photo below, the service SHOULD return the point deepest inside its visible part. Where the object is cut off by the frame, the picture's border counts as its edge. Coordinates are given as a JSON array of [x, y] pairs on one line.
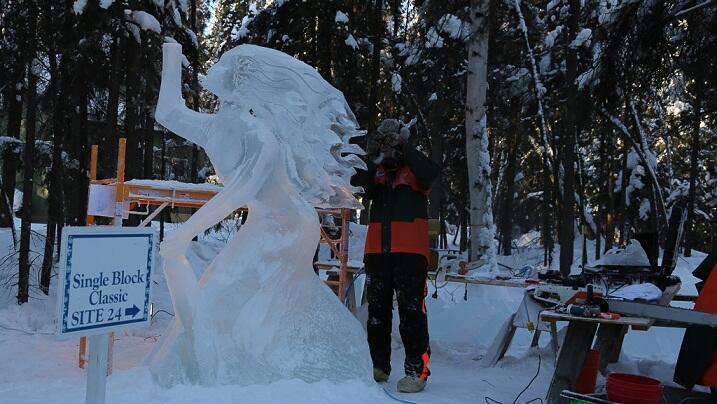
[[579, 339]]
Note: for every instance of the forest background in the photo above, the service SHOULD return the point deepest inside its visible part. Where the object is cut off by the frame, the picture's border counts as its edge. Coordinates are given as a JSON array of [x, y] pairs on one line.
[[562, 118]]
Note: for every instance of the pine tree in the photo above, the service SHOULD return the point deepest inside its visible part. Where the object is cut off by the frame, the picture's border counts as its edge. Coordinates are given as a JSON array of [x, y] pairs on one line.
[[477, 155]]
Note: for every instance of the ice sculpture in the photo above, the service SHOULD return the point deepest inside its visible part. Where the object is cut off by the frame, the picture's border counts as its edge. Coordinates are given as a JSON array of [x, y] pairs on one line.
[[279, 144]]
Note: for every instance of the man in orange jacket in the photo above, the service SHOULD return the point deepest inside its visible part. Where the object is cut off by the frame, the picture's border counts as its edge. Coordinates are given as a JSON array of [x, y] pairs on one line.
[[396, 251]]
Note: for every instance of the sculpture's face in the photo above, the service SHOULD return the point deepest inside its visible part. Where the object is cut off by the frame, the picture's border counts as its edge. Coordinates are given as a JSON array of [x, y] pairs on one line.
[[227, 77]]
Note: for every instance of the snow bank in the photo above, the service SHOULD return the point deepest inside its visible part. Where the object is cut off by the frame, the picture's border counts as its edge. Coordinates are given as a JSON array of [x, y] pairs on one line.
[[36, 368]]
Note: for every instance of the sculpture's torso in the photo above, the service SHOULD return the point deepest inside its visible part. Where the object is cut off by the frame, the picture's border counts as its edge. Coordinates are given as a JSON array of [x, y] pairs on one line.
[[262, 313]]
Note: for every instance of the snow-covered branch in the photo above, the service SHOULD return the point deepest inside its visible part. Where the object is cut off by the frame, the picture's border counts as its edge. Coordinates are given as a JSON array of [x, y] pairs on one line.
[[656, 188], [538, 86], [693, 8]]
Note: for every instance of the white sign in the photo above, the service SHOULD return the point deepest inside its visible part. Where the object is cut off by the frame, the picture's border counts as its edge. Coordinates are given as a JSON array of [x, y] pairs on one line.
[[102, 200], [105, 279]]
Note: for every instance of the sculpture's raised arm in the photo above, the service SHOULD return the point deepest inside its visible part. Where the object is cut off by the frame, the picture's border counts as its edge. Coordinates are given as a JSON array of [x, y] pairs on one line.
[[171, 111]]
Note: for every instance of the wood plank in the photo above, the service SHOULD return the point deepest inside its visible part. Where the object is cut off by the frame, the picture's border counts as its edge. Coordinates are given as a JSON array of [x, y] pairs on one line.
[[500, 344], [554, 339], [90, 220], [572, 355], [637, 323], [334, 267], [536, 339]]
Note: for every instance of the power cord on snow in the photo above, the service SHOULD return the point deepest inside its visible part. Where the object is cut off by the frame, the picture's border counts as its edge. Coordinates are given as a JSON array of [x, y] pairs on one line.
[[350, 289], [531, 382], [388, 393], [490, 400], [436, 287], [686, 399], [159, 311], [435, 284]]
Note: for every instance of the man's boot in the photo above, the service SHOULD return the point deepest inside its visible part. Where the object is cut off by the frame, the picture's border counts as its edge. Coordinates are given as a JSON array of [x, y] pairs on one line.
[[379, 375], [411, 384]]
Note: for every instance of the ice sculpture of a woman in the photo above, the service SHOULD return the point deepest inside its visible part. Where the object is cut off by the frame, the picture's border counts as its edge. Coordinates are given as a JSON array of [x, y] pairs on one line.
[[279, 144]]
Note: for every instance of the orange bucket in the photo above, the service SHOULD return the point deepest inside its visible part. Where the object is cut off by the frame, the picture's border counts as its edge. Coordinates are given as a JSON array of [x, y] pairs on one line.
[[588, 375]]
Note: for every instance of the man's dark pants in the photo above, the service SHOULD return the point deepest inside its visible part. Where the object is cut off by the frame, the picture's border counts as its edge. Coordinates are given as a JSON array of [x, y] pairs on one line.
[[406, 275]]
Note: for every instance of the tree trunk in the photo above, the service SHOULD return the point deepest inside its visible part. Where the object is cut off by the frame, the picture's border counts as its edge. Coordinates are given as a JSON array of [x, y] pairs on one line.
[[482, 231], [464, 229], [506, 207], [14, 121], [601, 197], [23, 283], [194, 174], [148, 142], [396, 14], [567, 222], [547, 216], [653, 187], [132, 104], [622, 206], [443, 229], [111, 139], [435, 136], [584, 223], [372, 111], [77, 200], [325, 15], [375, 66], [690, 237], [6, 213], [56, 215], [148, 103], [611, 201]]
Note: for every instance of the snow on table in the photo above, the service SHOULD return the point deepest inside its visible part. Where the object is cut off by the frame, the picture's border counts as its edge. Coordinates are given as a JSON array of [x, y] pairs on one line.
[[168, 184]]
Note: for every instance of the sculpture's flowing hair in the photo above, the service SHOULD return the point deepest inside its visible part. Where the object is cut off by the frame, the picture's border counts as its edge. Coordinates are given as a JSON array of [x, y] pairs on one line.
[[309, 117]]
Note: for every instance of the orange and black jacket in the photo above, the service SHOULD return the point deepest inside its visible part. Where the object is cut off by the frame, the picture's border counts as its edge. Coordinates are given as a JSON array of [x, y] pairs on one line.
[[398, 219]]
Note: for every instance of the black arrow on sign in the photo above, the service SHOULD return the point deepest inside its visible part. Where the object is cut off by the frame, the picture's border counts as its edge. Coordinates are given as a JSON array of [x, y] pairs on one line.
[[132, 311]]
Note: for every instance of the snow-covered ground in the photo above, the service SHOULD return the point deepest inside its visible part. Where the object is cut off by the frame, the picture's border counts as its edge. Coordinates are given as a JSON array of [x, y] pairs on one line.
[[37, 368]]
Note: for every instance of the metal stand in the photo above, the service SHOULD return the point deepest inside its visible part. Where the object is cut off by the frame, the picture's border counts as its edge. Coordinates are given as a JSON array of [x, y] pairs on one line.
[[100, 347], [97, 369]]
